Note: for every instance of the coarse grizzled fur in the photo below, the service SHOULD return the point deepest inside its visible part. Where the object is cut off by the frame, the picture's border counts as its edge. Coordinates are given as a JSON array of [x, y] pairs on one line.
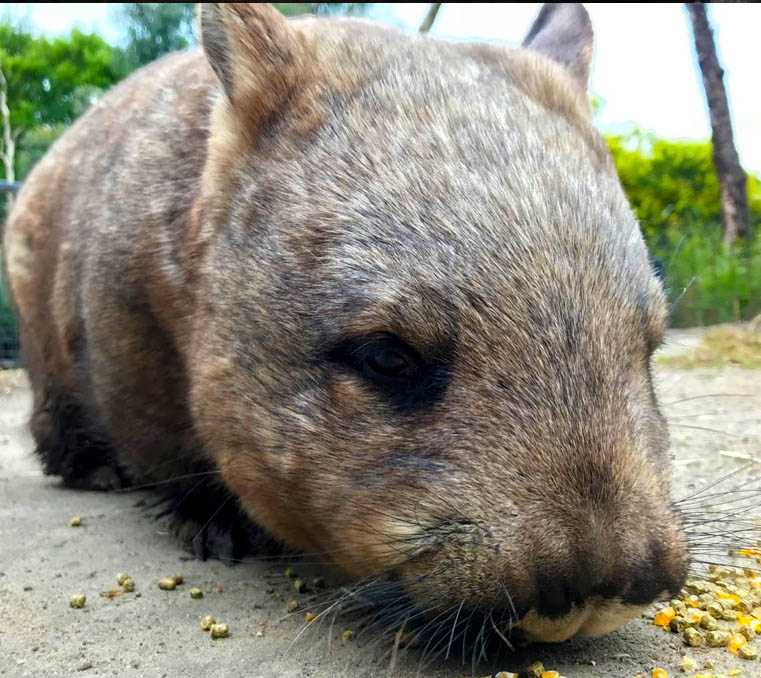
[[387, 286]]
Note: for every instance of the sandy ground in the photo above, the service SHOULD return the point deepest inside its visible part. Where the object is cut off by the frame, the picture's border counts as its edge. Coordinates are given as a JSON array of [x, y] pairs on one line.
[[716, 424]]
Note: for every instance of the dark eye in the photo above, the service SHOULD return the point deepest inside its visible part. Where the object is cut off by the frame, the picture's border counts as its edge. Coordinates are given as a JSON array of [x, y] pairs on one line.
[[388, 362], [394, 369], [381, 357]]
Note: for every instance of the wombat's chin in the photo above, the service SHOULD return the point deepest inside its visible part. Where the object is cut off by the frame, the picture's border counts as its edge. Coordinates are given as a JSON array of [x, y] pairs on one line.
[[594, 618]]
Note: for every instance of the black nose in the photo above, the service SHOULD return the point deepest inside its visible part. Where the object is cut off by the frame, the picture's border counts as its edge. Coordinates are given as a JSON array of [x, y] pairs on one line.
[[558, 591]]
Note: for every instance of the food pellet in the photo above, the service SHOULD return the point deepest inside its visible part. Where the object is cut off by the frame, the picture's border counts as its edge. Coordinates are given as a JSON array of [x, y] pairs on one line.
[[206, 623], [121, 577], [128, 585], [747, 631], [300, 586], [708, 622], [688, 664], [748, 652], [218, 631], [319, 583], [259, 633], [78, 600], [291, 573], [177, 579], [535, 670], [678, 624], [167, 584], [76, 521], [347, 635], [506, 674], [693, 637], [718, 638], [292, 606], [310, 617], [196, 593]]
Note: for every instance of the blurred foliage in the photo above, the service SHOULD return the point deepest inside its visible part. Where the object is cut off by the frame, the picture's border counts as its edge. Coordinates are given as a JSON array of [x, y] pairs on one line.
[[156, 28], [52, 80], [674, 192], [323, 8]]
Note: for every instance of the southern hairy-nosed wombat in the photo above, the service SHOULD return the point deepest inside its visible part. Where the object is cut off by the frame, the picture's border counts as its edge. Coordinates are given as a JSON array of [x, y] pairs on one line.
[[385, 290]]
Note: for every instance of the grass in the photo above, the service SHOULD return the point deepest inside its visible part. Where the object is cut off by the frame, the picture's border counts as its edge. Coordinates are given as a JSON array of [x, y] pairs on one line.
[[720, 347]]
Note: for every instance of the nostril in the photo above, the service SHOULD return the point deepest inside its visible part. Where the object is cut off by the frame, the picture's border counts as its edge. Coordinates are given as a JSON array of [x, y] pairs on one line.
[[558, 595]]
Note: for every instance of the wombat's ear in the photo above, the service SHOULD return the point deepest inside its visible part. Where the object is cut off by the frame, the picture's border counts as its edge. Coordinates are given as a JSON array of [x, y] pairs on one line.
[[253, 51], [563, 32]]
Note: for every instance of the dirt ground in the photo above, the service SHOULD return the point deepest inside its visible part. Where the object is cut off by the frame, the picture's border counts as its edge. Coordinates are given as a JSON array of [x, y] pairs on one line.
[[715, 416]]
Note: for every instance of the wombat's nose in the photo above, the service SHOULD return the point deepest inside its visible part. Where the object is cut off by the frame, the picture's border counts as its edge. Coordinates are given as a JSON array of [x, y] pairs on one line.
[[637, 583], [557, 594]]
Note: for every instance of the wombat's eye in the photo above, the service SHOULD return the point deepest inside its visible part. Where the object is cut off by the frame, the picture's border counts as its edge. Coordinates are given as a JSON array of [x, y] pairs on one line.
[[379, 357], [388, 362], [395, 370]]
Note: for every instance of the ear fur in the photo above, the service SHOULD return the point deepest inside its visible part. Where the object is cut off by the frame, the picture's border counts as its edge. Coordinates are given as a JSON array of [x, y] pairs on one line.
[[563, 32], [254, 52]]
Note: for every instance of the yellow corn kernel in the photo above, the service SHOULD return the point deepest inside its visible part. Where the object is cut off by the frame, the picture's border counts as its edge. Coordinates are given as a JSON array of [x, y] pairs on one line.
[[664, 617], [310, 617], [550, 674], [729, 596], [692, 601], [736, 643], [660, 673]]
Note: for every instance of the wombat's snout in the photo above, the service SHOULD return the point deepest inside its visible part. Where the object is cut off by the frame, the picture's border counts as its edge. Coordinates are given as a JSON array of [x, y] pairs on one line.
[[595, 595]]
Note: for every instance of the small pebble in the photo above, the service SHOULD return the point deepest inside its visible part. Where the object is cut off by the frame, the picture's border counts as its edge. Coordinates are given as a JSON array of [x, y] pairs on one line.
[[292, 606], [78, 600], [167, 584], [318, 582], [76, 521], [300, 586], [290, 573], [207, 622], [196, 593]]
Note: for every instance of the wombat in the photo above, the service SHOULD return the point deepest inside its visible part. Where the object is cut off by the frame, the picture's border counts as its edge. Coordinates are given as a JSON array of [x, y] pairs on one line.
[[379, 293]]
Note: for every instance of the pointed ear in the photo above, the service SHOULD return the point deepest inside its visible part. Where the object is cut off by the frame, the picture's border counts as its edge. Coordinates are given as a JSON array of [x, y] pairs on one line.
[[563, 32], [253, 51]]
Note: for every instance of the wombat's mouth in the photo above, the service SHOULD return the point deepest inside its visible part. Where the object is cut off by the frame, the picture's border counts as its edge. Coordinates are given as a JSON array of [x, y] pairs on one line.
[[595, 617]]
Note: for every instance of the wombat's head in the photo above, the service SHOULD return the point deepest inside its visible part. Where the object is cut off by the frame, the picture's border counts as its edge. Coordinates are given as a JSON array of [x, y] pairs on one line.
[[426, 315]]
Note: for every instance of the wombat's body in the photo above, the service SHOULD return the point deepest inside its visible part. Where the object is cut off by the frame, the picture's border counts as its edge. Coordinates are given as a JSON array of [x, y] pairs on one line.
[[389, 288]]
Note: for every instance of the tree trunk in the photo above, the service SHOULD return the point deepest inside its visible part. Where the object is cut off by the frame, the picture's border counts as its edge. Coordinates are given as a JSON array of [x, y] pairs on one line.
[[9, 141], [433, 10], [732, 179]]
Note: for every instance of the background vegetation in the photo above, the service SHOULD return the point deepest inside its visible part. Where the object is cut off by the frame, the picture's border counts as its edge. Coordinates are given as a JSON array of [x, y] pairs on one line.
[[672, 185]]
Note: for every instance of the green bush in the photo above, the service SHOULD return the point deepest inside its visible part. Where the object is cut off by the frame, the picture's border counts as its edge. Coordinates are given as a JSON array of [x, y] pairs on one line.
[[674, 192]]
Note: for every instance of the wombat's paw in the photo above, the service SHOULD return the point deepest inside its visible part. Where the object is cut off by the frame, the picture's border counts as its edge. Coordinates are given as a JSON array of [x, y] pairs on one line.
[[210, 525], [100, 478]]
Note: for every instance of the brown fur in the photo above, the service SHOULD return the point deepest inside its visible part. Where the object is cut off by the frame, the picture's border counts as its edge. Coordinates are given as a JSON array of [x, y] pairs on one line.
[[193, 256]]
